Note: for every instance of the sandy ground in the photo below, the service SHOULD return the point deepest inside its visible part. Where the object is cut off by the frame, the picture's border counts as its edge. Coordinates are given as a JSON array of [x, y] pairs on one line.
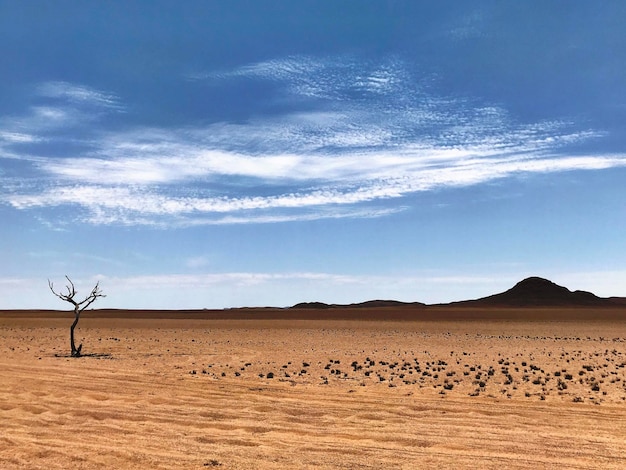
[[248, 394]]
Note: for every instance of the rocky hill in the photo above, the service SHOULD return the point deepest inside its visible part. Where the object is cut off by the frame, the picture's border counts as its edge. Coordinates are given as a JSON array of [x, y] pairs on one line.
[[531, 292], [539, 292]]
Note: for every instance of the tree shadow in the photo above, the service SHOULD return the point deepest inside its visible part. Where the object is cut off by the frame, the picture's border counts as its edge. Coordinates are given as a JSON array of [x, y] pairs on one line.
[[94, 355]]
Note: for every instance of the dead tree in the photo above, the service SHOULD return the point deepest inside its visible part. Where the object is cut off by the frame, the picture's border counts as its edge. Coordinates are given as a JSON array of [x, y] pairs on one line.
[[78, 307]]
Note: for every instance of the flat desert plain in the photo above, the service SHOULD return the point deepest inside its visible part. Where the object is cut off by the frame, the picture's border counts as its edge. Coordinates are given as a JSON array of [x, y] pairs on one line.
[[339, 388]]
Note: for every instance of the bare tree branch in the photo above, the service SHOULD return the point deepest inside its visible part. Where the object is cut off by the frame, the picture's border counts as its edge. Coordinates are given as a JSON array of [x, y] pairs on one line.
[[79, 306], [71, 292], [96, 292]]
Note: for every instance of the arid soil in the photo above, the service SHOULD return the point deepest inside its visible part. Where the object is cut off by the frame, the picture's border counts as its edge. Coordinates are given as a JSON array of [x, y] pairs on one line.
[[437, 389]]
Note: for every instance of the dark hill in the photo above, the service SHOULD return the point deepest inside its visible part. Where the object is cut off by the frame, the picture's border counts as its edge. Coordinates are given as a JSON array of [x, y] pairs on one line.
[[385, 303], [318, 305], [367, 304], [531, 292], [539, 292]]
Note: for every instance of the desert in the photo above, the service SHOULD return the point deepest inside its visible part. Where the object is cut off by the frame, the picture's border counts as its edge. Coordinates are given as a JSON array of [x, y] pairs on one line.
[[312, 234], [401, 386]]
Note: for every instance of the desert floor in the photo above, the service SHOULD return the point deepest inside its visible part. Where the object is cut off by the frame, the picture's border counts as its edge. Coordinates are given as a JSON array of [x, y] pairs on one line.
[[275, 392]]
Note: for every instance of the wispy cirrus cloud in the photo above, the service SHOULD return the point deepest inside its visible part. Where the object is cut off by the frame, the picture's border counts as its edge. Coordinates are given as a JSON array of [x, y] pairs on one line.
[[373, 135], [57, 106], [78, 94], [16, 137], [110, 204], [340, 78]]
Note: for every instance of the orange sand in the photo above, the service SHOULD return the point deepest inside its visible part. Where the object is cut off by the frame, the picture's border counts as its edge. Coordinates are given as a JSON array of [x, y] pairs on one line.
[[195, 393]]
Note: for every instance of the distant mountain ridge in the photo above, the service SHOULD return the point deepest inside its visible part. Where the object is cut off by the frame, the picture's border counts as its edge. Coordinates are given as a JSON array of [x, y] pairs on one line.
[[530, 292], [369, 303], [539, 292]]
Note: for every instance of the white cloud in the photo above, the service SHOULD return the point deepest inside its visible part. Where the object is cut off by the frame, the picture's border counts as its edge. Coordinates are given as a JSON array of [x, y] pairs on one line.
[[339, 78], [17, 137], [393, 178], [321, 213], [353, 152], [236, 289], [57, 106], [78, 94], [428, 287]]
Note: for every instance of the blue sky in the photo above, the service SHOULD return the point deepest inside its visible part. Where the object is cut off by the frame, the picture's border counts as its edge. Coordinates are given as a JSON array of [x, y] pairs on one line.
[[248, 153]]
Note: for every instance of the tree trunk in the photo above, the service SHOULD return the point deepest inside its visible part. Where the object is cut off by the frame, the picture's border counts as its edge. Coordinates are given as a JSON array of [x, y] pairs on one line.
[[75, 351]]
